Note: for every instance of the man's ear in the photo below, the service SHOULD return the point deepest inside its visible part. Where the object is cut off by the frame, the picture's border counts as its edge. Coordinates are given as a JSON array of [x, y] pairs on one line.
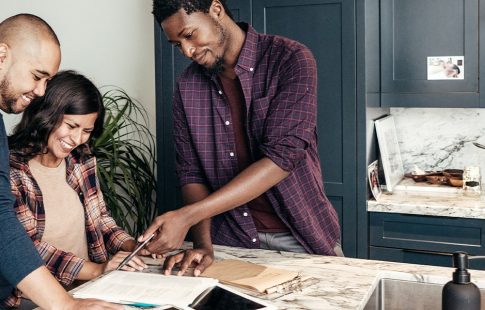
[[217, 10], [3, 52]]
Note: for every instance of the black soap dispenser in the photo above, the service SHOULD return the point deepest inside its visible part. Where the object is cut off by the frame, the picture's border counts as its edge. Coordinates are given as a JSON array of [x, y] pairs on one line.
[[460, 293]]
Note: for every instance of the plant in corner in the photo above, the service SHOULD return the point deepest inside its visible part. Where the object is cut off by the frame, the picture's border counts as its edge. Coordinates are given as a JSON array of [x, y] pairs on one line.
[[126, 162]]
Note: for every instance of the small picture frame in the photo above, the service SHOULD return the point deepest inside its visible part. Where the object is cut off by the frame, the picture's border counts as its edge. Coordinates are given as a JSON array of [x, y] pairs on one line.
[[372, 175], [389, 149], [446, 67]]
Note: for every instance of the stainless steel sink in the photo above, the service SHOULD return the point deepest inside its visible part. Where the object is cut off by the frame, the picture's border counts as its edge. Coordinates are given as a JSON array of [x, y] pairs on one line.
[[392, 294]]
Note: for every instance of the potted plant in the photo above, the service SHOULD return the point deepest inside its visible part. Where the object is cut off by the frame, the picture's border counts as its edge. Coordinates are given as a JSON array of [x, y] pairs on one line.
[[126, 162]]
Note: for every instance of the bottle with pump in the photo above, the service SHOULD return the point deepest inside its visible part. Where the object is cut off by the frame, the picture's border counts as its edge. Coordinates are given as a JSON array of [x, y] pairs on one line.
[[460, 293]]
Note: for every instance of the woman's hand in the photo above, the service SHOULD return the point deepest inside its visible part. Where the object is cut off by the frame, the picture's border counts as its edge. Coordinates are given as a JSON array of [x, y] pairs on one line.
[[136, 263]]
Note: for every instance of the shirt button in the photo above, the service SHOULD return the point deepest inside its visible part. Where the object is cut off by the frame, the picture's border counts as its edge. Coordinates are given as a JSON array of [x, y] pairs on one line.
[[254, 240], [227, 122], [245, 214], [251, 69], [220, 92], [231, 154]]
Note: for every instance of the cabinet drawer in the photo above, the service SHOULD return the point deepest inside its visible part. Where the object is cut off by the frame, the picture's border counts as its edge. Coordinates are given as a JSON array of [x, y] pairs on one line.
[[427, 233], [418, 257]]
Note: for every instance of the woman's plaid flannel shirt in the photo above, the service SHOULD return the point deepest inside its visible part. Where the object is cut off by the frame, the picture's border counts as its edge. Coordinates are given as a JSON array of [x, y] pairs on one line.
[[103, 235]]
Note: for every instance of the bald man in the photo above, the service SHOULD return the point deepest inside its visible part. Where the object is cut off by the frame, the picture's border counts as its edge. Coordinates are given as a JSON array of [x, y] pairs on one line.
[[29, 56]]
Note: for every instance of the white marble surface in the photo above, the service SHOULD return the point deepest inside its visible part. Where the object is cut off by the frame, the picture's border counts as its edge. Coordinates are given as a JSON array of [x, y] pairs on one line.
[[437, 139], [427, 199], [343, 283], [426, 203]]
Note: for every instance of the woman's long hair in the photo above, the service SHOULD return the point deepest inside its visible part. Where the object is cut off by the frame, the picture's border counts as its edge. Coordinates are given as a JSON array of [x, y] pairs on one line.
[[67, 93]]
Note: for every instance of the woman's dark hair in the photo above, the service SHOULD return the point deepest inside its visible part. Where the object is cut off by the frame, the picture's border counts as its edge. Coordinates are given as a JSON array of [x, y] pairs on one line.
[[163, 9], [67, 93]]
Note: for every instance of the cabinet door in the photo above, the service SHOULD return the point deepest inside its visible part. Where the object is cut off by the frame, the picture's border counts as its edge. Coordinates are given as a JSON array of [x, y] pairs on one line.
[[327, 27], [169, 64], [412, 30], [429, 240]]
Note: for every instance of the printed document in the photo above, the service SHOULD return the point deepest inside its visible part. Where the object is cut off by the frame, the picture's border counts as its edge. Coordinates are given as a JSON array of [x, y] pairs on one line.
[[137, 287]]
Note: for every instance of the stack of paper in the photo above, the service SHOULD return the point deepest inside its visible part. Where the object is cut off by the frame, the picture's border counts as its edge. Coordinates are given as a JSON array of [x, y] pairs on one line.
[[248, 275]]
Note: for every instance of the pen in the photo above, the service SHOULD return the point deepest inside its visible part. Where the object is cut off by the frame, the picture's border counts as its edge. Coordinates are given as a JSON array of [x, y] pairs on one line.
[[135, 251], [138, 304]]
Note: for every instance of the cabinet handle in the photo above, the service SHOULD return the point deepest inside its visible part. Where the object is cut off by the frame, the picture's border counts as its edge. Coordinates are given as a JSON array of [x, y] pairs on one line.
[[428, 252]]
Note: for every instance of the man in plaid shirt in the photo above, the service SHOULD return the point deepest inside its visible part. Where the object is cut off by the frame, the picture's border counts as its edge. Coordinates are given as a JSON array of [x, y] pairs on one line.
[[245, 137]]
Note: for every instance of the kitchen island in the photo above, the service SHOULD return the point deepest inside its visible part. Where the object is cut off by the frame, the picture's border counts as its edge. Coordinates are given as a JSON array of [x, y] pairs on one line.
[[341, 283]]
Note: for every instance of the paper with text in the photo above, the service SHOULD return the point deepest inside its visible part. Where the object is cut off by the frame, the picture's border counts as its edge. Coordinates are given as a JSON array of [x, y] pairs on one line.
[[137, 287]]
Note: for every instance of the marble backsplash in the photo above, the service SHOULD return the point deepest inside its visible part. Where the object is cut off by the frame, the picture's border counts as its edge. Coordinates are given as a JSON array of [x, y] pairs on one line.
[[436, 139]]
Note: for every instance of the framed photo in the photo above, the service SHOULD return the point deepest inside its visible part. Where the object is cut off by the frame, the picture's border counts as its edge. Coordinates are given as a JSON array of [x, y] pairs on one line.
[[372, 175], [389, 149]]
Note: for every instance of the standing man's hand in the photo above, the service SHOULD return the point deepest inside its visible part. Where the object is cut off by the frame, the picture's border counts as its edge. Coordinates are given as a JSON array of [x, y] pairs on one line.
[[170, 229], [200, 259]]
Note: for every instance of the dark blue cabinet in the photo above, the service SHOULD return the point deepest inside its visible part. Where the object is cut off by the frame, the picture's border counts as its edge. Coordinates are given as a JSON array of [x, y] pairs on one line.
[[412, 30], [428, 240], [328, 28]]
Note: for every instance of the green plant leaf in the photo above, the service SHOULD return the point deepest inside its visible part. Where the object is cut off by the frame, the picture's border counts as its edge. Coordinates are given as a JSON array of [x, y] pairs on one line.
[[126, 159]]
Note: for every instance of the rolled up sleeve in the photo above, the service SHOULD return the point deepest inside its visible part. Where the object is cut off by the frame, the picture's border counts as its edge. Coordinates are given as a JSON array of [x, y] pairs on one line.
[[291, 122], [187, 163]]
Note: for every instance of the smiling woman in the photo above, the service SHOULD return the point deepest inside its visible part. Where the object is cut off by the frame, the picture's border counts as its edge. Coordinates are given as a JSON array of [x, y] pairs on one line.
[[53, 178], [73, 131], [71, 100]]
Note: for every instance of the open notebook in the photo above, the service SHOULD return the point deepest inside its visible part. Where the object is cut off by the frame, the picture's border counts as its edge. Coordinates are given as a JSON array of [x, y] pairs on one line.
[[138, 288]]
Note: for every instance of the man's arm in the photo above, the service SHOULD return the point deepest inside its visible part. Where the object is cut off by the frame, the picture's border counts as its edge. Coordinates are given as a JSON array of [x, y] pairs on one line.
[[44, 290], [202, 254], [249, 184], [192, 193]]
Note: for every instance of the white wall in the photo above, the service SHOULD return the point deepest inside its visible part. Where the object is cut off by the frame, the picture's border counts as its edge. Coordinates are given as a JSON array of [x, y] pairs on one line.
[[109, 41]]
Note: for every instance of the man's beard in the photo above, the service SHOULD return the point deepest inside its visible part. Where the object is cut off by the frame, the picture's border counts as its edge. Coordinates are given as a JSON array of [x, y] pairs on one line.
[[218, 65], [8, 99]]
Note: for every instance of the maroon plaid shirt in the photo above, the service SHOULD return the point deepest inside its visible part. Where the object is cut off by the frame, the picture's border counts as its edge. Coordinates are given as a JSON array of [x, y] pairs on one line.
[[279, 80]]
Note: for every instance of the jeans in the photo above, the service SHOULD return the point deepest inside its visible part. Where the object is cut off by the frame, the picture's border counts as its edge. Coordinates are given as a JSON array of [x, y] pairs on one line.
[[285, 241]]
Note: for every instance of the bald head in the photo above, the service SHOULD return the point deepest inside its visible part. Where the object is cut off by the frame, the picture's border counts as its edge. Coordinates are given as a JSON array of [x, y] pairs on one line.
[[29, 56], [18, 30]]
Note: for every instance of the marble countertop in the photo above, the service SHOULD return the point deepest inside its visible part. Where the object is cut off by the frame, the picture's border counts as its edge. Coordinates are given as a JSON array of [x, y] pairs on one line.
[[428, 200], [341, 283]]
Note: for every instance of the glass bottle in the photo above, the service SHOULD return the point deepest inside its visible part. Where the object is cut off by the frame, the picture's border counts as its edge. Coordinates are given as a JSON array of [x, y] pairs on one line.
[[471, 180]]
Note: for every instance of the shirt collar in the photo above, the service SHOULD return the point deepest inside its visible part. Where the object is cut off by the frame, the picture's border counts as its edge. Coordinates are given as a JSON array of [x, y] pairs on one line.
[[247, 57]]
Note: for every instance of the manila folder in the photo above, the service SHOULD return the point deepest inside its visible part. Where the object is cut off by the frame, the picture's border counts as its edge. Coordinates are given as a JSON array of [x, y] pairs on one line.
[[248, 275]]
